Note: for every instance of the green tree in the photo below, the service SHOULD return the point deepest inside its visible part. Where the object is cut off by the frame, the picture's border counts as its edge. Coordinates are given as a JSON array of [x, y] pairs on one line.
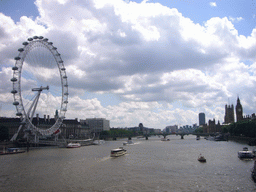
[[225, 129], [245, 128], [199, 130]]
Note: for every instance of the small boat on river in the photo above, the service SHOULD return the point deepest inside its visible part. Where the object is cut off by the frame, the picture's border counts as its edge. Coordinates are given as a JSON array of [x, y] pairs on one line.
[[73, 145], [10, 151], [201, 159], [165, 139], [245, 154], [129, 142], [98, 142], [118, 152]]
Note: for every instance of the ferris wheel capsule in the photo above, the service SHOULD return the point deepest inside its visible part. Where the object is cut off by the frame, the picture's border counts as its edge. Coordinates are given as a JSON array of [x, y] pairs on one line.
[[14, 91], [20, 49]]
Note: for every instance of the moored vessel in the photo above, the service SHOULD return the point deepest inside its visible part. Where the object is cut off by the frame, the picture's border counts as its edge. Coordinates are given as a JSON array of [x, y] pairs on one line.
[[73, 145], [98, 142], [10, 151]]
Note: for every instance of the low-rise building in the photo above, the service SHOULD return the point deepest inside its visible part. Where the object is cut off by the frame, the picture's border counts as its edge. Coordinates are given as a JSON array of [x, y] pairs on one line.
[[97, 125]]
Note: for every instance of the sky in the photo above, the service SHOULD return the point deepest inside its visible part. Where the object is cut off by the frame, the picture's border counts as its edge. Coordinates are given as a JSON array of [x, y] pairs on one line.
[[156, 62]]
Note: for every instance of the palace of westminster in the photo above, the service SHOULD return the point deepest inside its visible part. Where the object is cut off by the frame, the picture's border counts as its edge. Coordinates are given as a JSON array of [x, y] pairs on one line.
[[228, 118]]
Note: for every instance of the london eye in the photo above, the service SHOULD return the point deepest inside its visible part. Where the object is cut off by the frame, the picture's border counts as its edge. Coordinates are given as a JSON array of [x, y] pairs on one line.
[[40, 86]]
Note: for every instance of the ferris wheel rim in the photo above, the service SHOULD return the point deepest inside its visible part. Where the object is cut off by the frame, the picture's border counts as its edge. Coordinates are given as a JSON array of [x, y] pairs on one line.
[[16, 80]]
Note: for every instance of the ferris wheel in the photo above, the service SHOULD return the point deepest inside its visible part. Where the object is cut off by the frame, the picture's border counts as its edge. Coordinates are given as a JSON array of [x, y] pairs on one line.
[[39, 72]]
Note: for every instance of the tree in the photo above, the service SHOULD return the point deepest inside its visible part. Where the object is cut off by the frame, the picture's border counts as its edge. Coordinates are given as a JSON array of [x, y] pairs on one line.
[[225, 129], [243, 128], [199, 130]]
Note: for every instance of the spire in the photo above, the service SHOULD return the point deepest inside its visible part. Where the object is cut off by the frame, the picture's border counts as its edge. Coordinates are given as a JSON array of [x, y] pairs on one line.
[[56, 114], [238, 100]]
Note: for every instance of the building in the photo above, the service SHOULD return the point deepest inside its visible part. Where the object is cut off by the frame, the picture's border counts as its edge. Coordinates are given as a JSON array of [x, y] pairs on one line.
[[201, 119], [239, 110], [70, 128], [73, 129], [171, 129], [97, 125], [212, 127], [229, 114]]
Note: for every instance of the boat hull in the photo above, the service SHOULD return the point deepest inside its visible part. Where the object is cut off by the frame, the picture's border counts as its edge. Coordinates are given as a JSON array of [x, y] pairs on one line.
[[11, 151], [201, 159], [245, 154]]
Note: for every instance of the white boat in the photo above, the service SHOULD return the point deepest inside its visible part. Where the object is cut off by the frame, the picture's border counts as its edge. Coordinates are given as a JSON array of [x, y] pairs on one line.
[[98, 142], [117, 152], [245, 154], [128, 142], [165, 139], [73, 145]]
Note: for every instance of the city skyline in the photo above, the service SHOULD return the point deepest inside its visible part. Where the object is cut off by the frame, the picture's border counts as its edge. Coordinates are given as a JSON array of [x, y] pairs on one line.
[[157, 62]]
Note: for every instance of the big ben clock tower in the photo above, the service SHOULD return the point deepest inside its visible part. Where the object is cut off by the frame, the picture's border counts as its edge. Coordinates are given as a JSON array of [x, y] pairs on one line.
[[239, 110]]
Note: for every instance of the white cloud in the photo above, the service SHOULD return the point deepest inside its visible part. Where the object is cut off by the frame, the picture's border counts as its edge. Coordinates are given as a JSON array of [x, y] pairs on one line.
[[163, 67], [235, 20], [213, 4]]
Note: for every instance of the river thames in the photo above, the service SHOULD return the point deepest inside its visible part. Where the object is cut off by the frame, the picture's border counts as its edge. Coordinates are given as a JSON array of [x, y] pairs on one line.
[[149, 165]]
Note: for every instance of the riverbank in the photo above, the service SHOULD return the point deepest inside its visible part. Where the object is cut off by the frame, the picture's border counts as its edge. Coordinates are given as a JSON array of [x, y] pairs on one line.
[[244, 140], [6, 144]]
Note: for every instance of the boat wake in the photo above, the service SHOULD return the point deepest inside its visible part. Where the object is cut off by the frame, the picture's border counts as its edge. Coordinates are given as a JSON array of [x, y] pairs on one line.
[[104, 158]]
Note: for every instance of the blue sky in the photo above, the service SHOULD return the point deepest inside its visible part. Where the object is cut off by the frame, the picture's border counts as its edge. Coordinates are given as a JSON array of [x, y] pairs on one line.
[[16, 9], [197, 11], [154, 62]]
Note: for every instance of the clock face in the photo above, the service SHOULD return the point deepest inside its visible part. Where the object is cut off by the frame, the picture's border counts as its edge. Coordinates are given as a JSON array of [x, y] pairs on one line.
[[239, 110]]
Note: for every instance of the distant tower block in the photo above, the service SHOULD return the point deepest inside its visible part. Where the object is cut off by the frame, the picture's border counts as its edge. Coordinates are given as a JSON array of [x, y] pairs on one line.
[[201, 119]]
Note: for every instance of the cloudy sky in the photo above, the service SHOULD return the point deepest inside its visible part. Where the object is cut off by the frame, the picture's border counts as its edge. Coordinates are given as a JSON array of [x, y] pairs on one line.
[[156, 62]]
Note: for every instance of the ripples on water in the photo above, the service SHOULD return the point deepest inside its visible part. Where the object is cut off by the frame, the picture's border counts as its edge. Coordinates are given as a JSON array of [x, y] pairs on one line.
[[149, 165]]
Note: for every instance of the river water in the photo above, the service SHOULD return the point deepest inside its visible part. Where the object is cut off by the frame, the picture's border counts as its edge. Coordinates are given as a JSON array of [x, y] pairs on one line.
[[149, 165]]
